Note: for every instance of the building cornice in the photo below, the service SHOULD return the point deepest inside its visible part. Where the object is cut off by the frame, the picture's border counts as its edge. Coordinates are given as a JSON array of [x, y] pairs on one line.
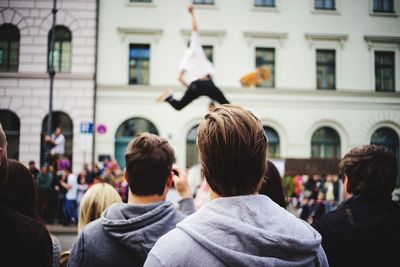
[[278, 36], [332, 37], [124, 31], [216, 34], [33, 75], [372, 39]]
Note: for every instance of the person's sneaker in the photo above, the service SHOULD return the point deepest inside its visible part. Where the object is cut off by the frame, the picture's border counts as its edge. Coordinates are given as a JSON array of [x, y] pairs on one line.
[[164, 96]]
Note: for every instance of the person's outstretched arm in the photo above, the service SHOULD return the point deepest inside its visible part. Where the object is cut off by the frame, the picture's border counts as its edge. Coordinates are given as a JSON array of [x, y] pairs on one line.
[[194, 21]]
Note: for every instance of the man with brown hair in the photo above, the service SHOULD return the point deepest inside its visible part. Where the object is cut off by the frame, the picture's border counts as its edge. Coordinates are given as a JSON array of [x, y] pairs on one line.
[[364, 230], [128, 231], [238, 227]]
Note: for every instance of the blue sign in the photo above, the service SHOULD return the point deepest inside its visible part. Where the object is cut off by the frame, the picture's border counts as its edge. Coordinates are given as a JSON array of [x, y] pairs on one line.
[[86, 127]]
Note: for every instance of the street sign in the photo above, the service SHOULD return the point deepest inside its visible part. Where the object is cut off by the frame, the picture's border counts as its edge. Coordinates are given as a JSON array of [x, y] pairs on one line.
[[101, 128], [86, 127]]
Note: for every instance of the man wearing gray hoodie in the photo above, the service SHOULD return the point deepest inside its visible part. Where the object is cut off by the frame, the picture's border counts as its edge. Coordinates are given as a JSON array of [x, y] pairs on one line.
[[237, 227], [125, 233]]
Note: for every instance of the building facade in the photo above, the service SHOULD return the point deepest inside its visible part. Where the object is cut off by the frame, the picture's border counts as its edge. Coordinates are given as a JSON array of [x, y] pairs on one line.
[[25, 28], [335, 72]]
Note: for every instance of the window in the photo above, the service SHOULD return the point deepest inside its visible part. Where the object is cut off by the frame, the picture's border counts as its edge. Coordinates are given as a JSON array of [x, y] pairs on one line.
[[383, 6], [208, 50], [325, 143], [139, 64], [11, 126], [273, 142], [9, 48], [388, 138], [62, 120], [325, 4], [192, 157], [384, 71], [264, 3], [266, 57], [140, 1], [326, 69], [62, 49], [203, 2], [126, 131]]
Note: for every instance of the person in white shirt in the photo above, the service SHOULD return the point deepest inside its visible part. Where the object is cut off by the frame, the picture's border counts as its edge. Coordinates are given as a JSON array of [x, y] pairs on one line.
[[70, 182], [57, 142], [198, 71]]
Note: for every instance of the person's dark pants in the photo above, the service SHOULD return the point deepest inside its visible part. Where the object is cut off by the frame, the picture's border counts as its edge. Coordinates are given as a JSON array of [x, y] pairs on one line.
[[70, 211], [196, 89]]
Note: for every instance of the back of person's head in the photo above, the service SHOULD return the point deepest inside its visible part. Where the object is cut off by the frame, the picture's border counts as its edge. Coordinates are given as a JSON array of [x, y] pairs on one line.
[[149, 159], [18, 189], [272, 185], [95, 200], [233, 148], [370, 169]]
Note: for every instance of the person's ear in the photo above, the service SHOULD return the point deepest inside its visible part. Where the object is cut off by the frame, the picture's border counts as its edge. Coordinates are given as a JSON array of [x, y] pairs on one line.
[[125, 175], [170, 179]]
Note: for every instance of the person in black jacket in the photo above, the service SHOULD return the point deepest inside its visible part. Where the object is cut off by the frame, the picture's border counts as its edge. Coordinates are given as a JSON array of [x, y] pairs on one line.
[[24, 240], [364, 230]]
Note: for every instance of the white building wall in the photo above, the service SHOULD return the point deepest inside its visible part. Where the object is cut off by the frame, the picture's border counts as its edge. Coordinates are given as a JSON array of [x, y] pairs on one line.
[[295, 109], [26, 92]]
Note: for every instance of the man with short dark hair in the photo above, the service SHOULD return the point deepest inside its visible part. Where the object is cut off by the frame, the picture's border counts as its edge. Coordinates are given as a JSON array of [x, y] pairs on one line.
[[125, 233], [69, 181], [33, 170], [364, 230], [238, 227]]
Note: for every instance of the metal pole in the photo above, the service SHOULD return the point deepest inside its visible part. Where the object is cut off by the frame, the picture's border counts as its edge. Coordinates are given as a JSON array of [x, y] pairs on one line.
[[52, 73]]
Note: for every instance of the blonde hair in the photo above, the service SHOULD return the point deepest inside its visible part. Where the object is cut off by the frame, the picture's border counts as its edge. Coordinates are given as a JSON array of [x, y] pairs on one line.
[[96, 199]]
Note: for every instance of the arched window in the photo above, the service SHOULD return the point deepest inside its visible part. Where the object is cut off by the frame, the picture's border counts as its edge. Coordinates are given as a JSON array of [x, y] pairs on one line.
[[128, 130], [325, 143], [62, 49], [9, 48], [191, 148], [11, 126], [388, 138], [273, 142], [62, 120]]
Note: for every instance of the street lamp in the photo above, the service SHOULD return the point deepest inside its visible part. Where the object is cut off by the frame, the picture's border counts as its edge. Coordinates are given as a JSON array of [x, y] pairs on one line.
[[52, 73]]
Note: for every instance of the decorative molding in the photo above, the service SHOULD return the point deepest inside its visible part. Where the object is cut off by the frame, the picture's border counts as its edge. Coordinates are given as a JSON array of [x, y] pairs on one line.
[[32, 75], [124, 31], [372, 39], [340, 38], [216, 34], [279, 36]]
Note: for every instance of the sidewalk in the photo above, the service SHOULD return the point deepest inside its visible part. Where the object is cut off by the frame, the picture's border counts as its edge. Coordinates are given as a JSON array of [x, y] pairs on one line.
[[61, 229]]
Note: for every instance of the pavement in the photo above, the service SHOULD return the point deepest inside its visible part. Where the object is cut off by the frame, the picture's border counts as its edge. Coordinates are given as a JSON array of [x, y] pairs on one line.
[[65, 234]]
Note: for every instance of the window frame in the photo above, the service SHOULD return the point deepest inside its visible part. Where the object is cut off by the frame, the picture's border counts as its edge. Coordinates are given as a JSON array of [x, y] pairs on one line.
[[322, 145], [58, 62], [7, 54], [385, 66], [324, 8], [141, 45], [381, 2], [203, 3], [273, 63], [328, 66], [264, 5]]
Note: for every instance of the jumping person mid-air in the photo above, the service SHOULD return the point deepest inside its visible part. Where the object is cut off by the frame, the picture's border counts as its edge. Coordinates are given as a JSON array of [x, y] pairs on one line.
[[198, 70]]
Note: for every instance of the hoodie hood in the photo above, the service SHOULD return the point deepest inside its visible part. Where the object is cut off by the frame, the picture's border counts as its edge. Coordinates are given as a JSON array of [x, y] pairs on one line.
[[138, 227], [254, 231]]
